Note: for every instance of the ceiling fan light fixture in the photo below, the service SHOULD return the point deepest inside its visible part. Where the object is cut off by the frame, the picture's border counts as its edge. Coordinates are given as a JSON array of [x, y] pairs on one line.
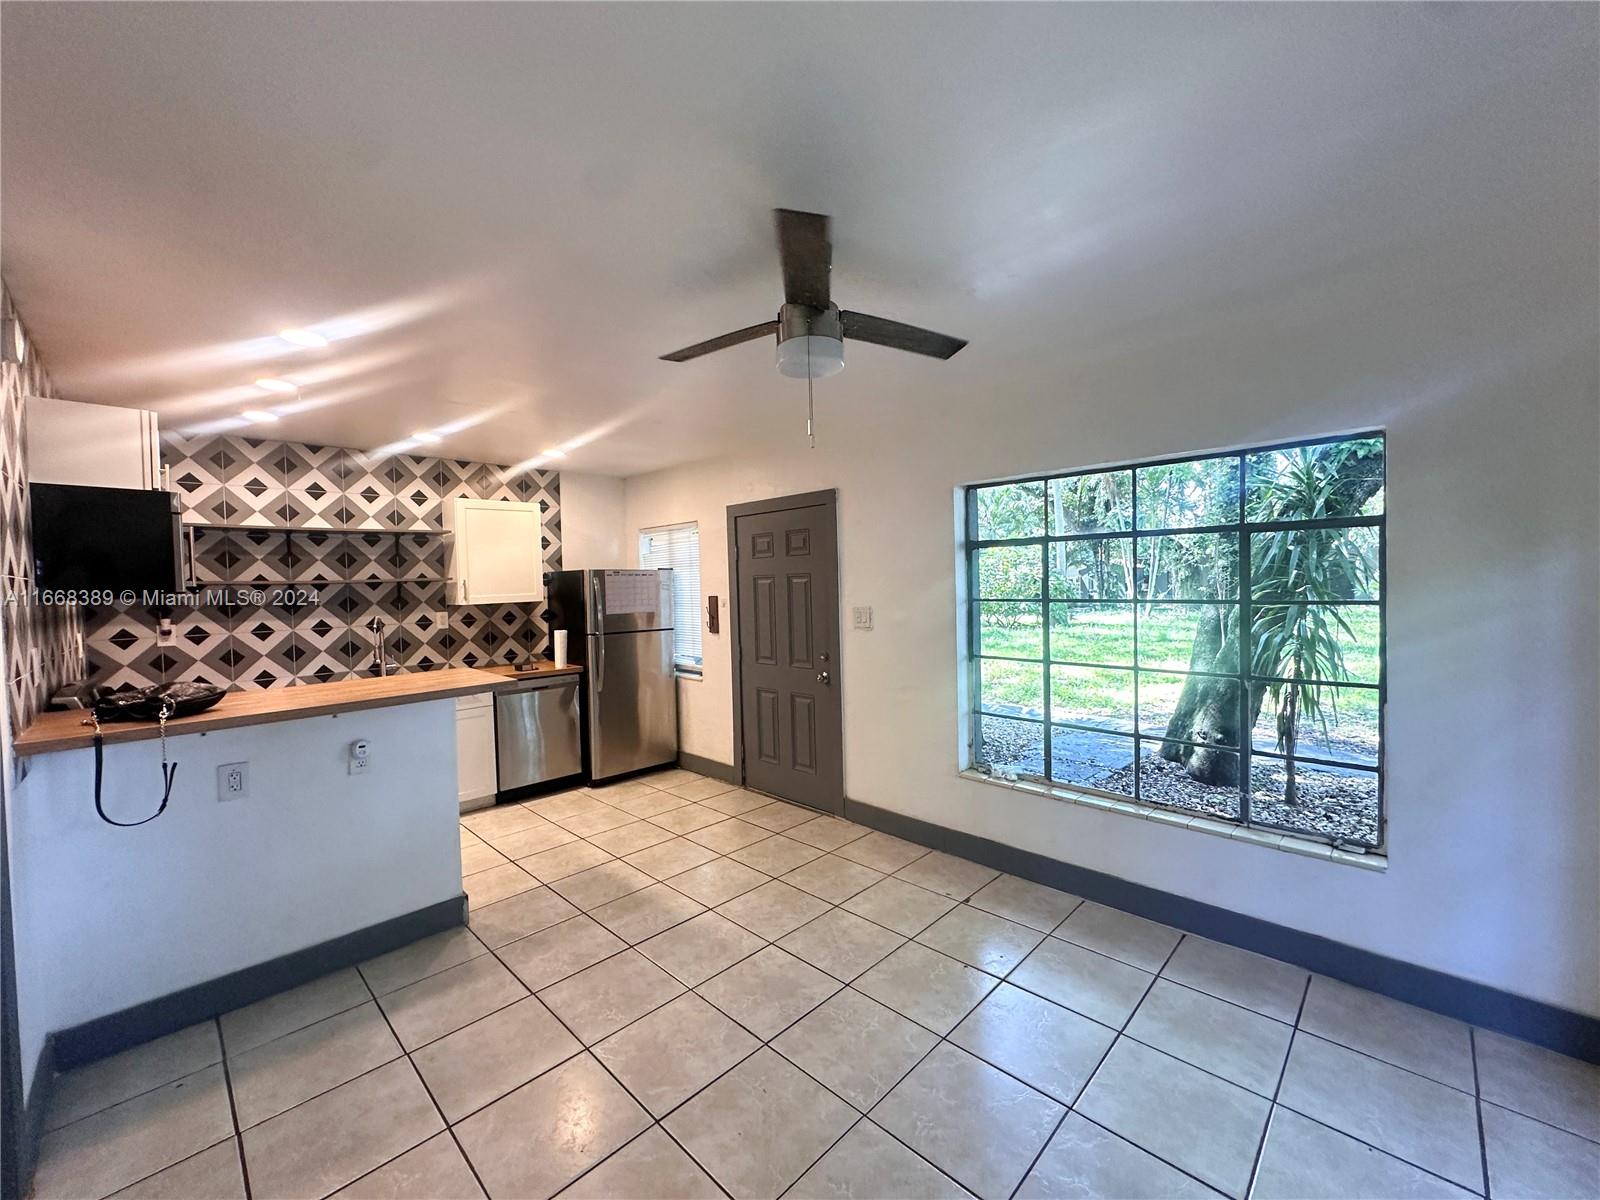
[[811, 328], [810, 356]]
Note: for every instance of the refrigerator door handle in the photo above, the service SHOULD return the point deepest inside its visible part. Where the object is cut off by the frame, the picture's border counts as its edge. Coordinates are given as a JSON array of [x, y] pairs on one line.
[[599, 634]]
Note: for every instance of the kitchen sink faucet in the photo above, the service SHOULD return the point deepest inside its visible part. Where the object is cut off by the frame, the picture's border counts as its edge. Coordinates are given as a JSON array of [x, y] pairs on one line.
[[382, 664]]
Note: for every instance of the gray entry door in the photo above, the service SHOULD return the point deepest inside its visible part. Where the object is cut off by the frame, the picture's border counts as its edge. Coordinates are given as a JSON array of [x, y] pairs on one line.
[[788, 623]]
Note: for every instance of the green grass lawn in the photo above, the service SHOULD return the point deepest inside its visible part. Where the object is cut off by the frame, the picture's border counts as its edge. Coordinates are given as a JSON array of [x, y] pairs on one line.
[[1104, 634]]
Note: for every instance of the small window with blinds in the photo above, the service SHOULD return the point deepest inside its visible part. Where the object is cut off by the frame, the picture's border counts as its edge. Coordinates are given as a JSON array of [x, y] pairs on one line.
[[678, 547]]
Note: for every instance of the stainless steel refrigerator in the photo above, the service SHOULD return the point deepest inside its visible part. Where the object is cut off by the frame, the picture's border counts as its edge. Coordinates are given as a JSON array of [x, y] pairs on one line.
[[619, 630]]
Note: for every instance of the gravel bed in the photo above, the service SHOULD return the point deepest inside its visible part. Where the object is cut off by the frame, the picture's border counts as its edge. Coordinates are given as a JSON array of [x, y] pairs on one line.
[[1332, 804]]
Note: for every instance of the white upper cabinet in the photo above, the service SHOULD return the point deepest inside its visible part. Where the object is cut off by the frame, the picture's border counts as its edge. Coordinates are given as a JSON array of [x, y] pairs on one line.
[[92, 445], [497, 555]]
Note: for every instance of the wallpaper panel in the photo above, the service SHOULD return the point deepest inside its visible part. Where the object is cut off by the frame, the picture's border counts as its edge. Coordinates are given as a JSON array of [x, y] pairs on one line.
[[339, 540]]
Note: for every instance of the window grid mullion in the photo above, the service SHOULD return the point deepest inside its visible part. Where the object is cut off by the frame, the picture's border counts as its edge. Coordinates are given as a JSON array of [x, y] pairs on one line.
[[1243, 674], [1244, 649], [1138, 739], [1049, 699]]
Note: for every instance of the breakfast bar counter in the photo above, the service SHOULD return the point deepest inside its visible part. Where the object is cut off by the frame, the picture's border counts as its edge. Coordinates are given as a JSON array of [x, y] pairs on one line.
[[71, 729]]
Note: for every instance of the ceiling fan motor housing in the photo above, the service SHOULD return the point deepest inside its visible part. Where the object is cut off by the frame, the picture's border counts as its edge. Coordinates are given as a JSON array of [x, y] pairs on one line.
[[810, 341]]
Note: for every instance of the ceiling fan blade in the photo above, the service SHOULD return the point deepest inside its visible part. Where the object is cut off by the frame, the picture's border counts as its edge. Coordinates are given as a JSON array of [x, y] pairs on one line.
[[748, 334], [806, 255], [864, 328]]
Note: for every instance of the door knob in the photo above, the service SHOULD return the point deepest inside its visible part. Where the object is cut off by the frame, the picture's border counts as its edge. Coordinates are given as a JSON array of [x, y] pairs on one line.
[[824, 678]]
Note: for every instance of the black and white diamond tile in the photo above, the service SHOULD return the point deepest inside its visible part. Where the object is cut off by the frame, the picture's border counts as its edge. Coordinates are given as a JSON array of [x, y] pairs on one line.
[[361, 532], [197, 467], [255, 483], [264, 557], [314, 490], [42, 641], [368, 496], [419, 505], [116, 641], [200, 647], [421, 556], [214, 556]]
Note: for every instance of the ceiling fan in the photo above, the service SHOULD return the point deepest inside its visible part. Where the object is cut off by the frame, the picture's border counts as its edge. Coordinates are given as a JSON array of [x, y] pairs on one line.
[[811, 328]]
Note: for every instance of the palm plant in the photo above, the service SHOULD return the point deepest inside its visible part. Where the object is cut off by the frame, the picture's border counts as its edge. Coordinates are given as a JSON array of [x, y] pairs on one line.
[[1297, 637]]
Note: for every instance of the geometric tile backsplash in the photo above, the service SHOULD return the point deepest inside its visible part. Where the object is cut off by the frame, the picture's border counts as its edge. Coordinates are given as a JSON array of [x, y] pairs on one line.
[[41, 641], [335, 538]]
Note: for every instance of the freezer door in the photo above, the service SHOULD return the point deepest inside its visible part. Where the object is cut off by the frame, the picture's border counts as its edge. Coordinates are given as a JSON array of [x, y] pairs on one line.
[[633, 702]]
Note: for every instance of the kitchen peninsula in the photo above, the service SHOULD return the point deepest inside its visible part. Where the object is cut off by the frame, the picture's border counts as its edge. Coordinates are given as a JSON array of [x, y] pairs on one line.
[[127, 933]]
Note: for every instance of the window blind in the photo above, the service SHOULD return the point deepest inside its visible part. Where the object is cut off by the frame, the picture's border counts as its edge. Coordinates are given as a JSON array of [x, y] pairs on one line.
[[678, 547]]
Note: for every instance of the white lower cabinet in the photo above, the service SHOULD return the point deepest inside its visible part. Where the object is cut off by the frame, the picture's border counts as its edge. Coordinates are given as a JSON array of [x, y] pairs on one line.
[[475, 763]]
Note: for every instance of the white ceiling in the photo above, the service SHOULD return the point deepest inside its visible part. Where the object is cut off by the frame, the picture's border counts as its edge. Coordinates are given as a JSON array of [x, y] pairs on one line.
[[508, 211]]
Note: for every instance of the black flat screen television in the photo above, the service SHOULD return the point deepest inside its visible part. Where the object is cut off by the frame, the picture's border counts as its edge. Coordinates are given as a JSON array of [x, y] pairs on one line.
[[103, 539]]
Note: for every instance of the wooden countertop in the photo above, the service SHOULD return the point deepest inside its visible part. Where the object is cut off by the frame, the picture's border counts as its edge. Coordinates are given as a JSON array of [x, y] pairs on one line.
[[533, 670], [65, 729]]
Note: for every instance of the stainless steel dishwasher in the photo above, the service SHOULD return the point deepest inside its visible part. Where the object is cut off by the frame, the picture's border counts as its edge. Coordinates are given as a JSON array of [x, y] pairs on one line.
[[536, 732]]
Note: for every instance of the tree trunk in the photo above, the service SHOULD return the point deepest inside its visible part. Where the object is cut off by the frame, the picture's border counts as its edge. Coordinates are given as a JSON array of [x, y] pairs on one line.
[[1288, 726], [1204, 733], [1208, 641]]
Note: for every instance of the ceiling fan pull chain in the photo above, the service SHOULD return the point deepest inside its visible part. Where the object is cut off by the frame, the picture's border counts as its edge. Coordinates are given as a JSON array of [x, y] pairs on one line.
[[811, 403]]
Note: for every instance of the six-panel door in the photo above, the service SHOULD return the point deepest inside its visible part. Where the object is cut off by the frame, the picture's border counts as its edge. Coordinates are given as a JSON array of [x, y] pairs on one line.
[[788, 651]]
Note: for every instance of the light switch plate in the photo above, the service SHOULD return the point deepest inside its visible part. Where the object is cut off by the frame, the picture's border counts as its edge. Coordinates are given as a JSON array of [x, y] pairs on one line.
[[861, 618]]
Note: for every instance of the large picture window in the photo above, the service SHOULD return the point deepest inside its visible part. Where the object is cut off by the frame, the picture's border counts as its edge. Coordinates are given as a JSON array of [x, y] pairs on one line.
[[1203, 634]]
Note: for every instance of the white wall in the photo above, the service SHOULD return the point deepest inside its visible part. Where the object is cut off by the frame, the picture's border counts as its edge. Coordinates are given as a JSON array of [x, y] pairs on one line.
[[1482, 369], [592, 522], [106, 918]]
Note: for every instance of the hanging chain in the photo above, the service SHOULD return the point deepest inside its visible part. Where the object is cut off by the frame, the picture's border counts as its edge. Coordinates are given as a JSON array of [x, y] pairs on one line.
[[167, 707], [811, 403]]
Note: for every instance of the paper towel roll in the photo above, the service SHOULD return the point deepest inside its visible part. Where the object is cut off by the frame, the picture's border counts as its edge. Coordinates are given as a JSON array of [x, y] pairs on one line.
[[561, 647]]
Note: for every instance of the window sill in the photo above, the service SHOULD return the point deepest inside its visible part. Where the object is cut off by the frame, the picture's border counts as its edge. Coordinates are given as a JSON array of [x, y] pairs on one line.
[[1308, 847]]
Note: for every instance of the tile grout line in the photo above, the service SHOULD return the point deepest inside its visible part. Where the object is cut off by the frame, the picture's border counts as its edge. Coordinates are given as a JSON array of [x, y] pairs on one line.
[[1346, 1133], [1119, 1035], [1477, 1108], [1272, 1102], [1394, 1066], [586, 1049], [939, 1039], [1377, 1149], [423, 1080], [233, 1109]]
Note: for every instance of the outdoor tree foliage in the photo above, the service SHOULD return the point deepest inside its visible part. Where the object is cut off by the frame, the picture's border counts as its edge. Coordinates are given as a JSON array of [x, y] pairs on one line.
[[1296, 643]]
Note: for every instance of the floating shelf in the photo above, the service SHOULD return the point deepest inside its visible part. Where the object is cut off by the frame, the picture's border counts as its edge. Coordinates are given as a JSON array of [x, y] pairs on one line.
[[444, 533], [270, 583]]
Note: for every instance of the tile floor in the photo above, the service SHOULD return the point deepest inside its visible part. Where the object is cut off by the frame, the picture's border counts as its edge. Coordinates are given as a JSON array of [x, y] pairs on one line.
[[674, 988]]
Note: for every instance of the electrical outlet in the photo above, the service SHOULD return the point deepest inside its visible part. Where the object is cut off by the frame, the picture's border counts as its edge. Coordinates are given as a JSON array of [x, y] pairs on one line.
[[166, 634], [861, 618], [360, 756], [233, 781]]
